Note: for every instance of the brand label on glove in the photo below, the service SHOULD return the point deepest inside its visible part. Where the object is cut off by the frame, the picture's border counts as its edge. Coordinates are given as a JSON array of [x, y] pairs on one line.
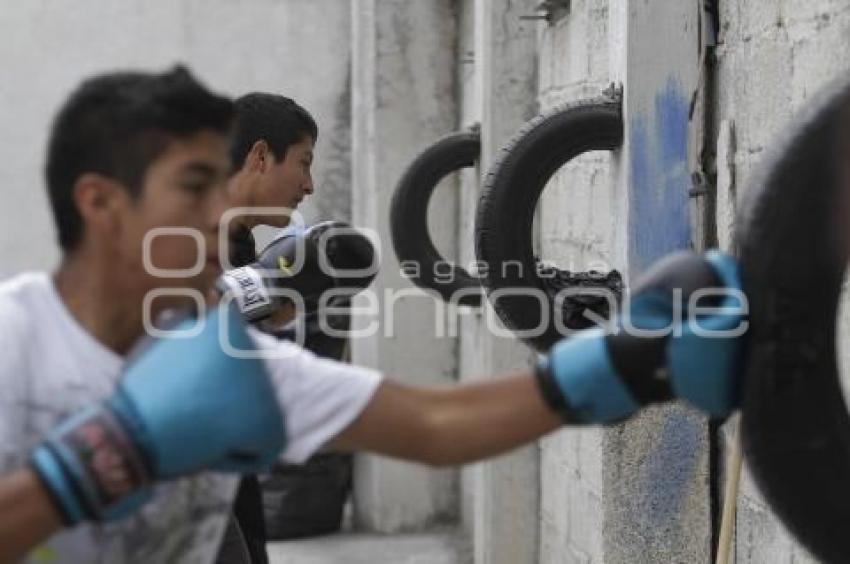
[[109, 459], [248, 289]]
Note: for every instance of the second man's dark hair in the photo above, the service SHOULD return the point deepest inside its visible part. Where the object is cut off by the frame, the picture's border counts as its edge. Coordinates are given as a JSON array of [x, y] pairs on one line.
[[275, 119]]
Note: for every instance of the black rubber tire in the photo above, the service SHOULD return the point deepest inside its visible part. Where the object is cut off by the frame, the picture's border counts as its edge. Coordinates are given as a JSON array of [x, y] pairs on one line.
[[795, 425], [505, 216], [409, 215]]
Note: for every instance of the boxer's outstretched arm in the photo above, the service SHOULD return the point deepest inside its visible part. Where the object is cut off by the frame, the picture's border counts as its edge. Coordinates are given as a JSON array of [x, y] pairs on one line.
[[27, 515], [455, 425], [595, 377]]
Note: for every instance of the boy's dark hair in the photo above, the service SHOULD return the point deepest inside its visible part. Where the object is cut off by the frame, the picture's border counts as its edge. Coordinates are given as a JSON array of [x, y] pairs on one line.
[[116, 125], [277, 120]]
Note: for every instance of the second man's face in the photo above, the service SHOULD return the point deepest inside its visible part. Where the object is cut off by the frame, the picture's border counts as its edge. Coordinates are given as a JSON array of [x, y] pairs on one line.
[[287, 182]]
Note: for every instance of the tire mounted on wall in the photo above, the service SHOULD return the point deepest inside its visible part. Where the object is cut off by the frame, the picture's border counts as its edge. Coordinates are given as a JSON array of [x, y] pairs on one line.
[[409, 217], [505, 216]]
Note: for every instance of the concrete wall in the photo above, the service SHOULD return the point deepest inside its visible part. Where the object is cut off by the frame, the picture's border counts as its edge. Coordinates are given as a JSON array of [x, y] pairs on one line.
[[635, 492], [398, 110], [299, 48], [771, 57], [506, 489], [577, 232], [638, 492]]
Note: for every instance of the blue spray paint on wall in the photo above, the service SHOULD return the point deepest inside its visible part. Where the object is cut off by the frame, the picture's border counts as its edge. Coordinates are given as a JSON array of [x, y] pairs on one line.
[[669, 470], [658, 219], [659, 223]]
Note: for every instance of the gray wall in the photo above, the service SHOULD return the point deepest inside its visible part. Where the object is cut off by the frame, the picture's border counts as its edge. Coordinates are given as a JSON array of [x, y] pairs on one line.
[[397, 112], [577, 232], [299, 48], [500, 82], [637, 492]]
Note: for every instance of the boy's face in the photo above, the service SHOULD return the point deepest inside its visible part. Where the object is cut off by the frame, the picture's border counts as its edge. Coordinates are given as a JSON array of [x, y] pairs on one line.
[[177, 212], [286, 183]]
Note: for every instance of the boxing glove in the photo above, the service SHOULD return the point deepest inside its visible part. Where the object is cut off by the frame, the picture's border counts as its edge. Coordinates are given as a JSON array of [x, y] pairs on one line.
[[301, 265], [680, 334], [181, 405]]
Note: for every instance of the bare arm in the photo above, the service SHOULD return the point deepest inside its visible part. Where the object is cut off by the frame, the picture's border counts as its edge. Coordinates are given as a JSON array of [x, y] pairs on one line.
[[454, 425], [27, 515]]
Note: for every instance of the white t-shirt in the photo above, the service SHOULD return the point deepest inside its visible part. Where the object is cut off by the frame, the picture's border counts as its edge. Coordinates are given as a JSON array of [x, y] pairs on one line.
[[52, 367]]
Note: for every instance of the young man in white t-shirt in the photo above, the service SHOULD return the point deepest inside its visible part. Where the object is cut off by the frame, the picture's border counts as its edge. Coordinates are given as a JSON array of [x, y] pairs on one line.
[[131, 153]]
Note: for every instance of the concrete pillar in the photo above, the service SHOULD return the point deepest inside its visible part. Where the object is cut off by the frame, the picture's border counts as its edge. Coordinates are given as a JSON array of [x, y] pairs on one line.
[[468, 190], [577, 233], [403, 93], [657, 503], [506, 490]]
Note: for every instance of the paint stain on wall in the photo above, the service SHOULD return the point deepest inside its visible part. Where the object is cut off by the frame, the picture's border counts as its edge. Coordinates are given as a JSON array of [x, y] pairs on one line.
[[658, 219], [659, 223], [669, 471]]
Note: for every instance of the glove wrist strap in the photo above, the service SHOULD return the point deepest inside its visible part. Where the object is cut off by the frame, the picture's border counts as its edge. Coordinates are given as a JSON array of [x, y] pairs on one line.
[[551, 392], [92, 467]]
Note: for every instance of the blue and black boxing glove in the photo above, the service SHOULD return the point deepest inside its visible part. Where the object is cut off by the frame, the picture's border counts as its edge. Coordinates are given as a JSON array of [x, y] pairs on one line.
[[183, 405], [679, 336]]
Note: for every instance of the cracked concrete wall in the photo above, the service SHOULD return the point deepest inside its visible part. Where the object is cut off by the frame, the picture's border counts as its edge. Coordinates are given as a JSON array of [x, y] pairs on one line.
[[771, 58], [299, 48]]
